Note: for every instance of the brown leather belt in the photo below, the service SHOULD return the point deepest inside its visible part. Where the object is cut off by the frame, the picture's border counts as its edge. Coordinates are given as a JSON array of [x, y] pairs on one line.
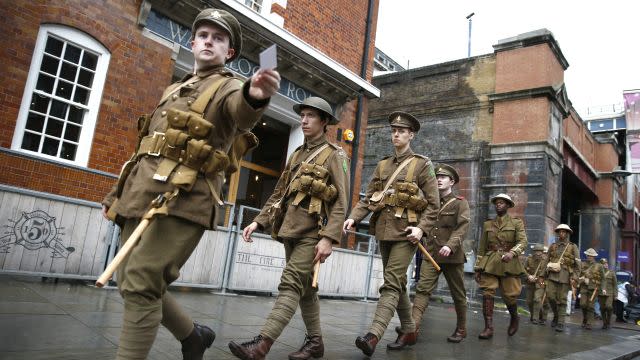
[[500, 247]]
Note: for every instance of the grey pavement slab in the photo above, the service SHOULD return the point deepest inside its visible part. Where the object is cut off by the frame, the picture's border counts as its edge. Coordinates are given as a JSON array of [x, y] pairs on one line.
[[74, 320]]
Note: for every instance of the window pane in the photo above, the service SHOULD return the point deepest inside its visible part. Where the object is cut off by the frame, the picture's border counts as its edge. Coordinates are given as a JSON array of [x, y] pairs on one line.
[[45, 83], [39, 103], [81, 96], [64, 89], [76, 114], [68, 151], [58, 109], [30, 141], [50, 146], [85, 78], [72, 132], [89, 60], [54, 127], [72, 53], [49, 65], [35, 122], [54, 46], [68, 72]]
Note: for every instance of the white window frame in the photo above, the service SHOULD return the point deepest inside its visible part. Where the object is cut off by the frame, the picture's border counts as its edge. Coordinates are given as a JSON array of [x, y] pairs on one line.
[[265, 6], [81, 39]]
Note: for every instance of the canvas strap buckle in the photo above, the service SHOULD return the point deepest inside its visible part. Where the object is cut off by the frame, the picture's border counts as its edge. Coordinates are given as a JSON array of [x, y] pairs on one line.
[[156, 140]]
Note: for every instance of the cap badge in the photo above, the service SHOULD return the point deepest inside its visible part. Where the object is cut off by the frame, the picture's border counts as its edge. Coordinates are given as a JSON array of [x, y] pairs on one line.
[[215, 14]]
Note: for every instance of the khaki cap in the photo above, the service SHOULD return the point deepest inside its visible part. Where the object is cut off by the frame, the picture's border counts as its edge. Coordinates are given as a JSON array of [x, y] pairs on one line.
[[447, 170], [591, 252], [563, 227], [504, 197], [405, 120], [318, 104], [224, 20], [538, 247]]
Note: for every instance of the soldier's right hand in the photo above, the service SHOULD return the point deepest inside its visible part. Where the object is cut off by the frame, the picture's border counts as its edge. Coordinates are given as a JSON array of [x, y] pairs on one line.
[[246, 233], [532, 278], [477, 276], [105, 209], [348, 224]]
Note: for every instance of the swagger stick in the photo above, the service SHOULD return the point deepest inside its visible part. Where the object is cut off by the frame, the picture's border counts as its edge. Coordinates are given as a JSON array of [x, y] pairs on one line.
[[316, 271], [426, 253], [158, 207], [594, 294]]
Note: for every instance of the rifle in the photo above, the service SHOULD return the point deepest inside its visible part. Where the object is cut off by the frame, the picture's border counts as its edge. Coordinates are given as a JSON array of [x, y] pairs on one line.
[[158, 207]]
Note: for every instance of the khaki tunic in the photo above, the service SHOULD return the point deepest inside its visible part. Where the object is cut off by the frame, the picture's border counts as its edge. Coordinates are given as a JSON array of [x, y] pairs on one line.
[[570, 264], [384, 224], [530, 267], [450, 229], [297, 222], [229, 111], [593, 271], [498, 237], [610, 284]]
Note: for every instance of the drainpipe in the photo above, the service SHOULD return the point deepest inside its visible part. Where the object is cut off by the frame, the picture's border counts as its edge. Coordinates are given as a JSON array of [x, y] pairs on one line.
[[363, 74]]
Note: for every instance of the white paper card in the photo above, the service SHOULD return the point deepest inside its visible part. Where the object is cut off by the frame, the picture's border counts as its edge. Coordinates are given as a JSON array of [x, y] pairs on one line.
[[268, 59]]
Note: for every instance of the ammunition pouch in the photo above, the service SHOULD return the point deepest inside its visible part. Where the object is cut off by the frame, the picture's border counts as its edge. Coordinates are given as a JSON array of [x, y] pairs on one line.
[[242, 144], [276, 217], [554, 267], [191, 123]]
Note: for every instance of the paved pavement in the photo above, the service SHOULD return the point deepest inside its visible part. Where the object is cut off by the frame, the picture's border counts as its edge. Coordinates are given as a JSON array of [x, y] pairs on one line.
[[74, 320]]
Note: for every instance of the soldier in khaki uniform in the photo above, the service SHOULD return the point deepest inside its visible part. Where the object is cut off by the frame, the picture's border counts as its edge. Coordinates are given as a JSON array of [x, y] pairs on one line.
[[445, 243], [313, 193], [608, 292], [590, 284], [503, 240], [403, 196], [535, 267], [563, 269], [183, 151]]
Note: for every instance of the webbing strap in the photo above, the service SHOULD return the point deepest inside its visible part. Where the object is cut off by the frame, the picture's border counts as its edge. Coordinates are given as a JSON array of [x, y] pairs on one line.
[[411, 170], [201, 103]]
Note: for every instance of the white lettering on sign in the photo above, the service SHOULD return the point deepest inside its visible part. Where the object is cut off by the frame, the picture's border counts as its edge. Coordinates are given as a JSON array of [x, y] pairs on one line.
[[178, 32], [296, 93]]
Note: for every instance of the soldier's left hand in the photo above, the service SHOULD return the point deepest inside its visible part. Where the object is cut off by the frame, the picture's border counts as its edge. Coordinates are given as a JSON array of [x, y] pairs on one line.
[[604, 292], [323, 250], [445, 251], [264, 84], [414, 234], [507, 257]]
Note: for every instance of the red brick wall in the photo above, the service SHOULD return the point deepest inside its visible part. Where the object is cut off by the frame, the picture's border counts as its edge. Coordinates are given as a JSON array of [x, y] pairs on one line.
[[527, 68], [335, 27], [138, 71], [521, 120]]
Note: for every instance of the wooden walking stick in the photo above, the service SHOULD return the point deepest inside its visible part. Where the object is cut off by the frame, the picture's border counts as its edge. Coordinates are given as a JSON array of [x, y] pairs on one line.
[[316, 271], [594, 294], [158, 207], [426, 253]]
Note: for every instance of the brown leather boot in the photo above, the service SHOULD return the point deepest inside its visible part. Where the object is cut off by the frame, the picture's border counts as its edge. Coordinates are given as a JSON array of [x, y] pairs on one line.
[[417, 314], [487, 311], [255, 349], [313, 347], [367, 343], [515, 319], [458, 335], [461, 324], [403, 339], [194, 346]]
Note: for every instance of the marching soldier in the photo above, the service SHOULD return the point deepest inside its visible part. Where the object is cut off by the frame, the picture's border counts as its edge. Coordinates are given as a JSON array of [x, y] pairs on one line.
[[183, 150], [445, 243], [503, 240], [403, 196], [563, 269], [590, 283], [305, 213], [608, 292], [535, 267]]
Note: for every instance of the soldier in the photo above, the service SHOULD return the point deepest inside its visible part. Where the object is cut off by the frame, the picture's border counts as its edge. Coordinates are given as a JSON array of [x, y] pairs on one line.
[[535, 267], [608, 292], [202, 132], [312, 193], [445, 243], [590, 279], [563, 269], [403, 196], [503, 240]]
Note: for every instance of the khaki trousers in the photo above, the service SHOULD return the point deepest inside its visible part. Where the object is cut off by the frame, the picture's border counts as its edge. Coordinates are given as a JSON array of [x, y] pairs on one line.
[[396, 257], [557, 295], [587, 305], [453, 273], [510, 286], [295, 289], [143, 278]]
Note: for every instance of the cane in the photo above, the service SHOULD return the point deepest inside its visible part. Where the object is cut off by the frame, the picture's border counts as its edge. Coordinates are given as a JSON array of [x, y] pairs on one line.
[[426, 253], [158, 207], [594, 294], [316, 271]]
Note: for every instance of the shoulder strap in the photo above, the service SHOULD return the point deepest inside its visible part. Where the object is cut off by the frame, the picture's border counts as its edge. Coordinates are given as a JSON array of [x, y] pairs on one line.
[[307, 160], [200, 104], [395, 174], [411, 170], [447, 203], [324, 155], [175, 87]]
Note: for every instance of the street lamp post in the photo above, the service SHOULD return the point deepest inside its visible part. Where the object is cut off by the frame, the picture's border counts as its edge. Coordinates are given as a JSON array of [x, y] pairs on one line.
[[469, 40]]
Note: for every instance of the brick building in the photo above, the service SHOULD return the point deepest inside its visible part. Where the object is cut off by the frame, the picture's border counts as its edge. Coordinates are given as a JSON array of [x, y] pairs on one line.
[[78, 73], [505, 121]]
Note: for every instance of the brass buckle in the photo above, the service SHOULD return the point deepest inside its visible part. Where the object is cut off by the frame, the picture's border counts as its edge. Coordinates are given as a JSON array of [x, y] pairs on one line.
[[155, 137]]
